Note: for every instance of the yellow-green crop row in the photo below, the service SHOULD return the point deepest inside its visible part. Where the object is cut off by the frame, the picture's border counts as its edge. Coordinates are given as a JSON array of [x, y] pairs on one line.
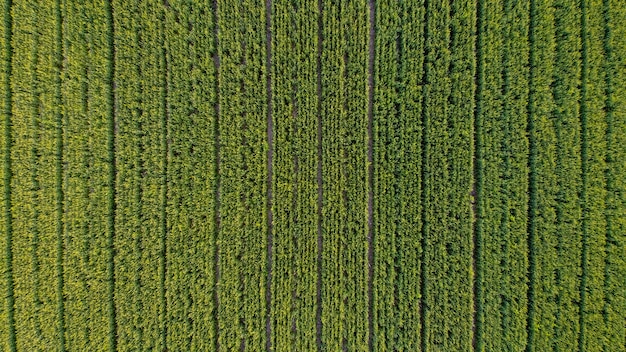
[[243, 233], [86, 169], [34, 192], [188, 135], [294, 186], [139, 165]]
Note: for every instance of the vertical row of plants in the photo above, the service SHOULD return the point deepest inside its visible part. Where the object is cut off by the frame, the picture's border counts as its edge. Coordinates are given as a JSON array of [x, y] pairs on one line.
[[397, 128], [448, 105], [614, 65], [139, 164], [344, 142], [85, 184], [242, 237], [593, 193], [566, 114], [188, 132], [6, 271], [34, 188], [543, 188], [502, 176], [295, 187]]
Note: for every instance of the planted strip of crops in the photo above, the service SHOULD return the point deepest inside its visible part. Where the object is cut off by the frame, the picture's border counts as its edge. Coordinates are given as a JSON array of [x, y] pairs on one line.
[[242, 237], [543, 181], [86, 184], [58, 179], [35, 127], [448, 120], [397, 170], [614, 310], [139, 77], [7, 325], [568, 170], [190, 146], [503, 173], [344, 140], [593, 195], [294, 77]]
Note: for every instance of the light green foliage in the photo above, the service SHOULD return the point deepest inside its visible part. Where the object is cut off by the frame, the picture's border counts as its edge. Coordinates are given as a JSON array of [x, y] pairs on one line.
[[186, 175], [295, 185]]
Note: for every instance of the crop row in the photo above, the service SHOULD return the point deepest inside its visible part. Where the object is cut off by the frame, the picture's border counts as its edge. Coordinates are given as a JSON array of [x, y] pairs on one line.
[[34, 193], [189, 176], [344, 173], [294, 186], [397, 152], [448, 105], [189, 138], [501, 176], [7, 328], [242, 236], [85, 176], [614, 67]]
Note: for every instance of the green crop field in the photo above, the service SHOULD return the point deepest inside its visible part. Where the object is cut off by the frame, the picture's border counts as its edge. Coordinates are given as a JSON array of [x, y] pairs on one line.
[[313, 175]]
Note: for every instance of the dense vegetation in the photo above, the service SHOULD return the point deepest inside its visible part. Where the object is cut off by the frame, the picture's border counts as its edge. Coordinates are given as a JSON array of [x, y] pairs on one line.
[[313, 175]]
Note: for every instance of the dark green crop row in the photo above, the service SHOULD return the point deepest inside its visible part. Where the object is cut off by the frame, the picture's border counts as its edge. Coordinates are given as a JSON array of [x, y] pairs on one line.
[[397, 145], [614, 67], [501, 176], [344, 173], [294, 186]]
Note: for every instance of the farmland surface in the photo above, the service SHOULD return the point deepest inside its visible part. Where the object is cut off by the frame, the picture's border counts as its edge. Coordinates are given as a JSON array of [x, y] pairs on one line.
[[313, 175]]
